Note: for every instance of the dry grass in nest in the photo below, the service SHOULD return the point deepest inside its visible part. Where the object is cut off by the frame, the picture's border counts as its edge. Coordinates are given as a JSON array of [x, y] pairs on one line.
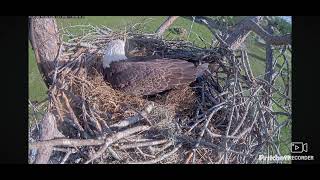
[[183, 101], [105, 99]]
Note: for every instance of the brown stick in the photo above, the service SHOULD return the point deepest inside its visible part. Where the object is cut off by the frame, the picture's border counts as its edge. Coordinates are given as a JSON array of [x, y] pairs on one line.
[[57, 105], [74, 117]]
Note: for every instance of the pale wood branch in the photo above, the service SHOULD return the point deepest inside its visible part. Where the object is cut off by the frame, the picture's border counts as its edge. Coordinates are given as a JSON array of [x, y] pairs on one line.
[[165, 25], [87, 142], [142, 144], [116, 137], [66, 142], [134, 119]]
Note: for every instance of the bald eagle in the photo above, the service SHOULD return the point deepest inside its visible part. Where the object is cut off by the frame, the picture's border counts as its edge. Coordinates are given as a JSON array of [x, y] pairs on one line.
[[141, 76]]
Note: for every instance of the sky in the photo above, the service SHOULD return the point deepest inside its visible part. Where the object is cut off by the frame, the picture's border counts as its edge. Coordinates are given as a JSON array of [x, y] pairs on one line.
[[287, 18]]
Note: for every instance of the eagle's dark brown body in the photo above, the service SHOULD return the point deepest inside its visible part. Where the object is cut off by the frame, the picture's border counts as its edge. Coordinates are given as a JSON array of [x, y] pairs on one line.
[[148, 77]]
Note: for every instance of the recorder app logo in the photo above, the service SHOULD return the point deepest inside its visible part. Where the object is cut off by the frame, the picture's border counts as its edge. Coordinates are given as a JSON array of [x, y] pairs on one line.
[[299, 147]]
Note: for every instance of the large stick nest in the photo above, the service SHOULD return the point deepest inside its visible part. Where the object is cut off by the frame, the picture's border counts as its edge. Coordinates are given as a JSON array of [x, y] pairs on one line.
[[220, 118]]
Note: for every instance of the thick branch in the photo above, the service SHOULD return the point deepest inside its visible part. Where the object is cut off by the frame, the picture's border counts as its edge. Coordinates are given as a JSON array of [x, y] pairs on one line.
[[269, 38], [269, 61], [242, 30], [66, 142], [165, 25], [87, 142]]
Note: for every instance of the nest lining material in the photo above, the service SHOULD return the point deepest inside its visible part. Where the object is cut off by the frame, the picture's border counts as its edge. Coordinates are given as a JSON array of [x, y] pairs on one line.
[[84, 79]]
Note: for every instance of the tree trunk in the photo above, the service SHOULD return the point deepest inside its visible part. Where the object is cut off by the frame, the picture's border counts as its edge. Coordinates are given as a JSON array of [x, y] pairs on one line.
[[48, 131], [45, 41], [269, 59], [165, 25], [269, 72], [44, 38]]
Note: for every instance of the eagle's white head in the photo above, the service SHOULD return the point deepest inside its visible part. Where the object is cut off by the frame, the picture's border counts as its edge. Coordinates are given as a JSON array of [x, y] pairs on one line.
[[114, 51]]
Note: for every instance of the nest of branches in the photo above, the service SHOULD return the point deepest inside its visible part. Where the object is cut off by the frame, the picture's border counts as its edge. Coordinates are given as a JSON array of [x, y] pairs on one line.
[[223, 117]]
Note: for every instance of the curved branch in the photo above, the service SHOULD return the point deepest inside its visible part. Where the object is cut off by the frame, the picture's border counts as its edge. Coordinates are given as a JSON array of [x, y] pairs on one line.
[[242, 30], [270, 39]]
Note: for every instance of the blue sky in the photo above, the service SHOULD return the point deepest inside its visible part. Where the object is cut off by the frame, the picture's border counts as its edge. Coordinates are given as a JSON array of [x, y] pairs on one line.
[[287, 18]]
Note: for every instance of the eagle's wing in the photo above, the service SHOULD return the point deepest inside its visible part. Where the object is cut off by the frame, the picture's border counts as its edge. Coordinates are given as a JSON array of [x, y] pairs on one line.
[[150, 77]]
